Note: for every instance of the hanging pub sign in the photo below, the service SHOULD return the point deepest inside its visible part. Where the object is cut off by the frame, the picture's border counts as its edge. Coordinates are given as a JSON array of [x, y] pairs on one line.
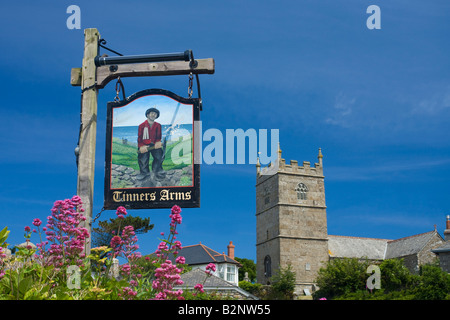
[[150, 151]]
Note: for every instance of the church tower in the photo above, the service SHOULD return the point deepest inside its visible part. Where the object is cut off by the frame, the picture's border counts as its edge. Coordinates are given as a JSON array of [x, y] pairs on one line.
[[291, 220]]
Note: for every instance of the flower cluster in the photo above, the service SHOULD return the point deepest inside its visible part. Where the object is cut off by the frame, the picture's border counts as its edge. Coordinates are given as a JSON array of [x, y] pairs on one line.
[[167, 275], [210, 268], [125, 246], [66, 237], [199, 287], [121, 212]]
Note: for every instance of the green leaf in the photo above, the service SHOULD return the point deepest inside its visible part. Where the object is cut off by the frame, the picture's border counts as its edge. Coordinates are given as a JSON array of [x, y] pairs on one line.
[[25, 285], [4, 235]]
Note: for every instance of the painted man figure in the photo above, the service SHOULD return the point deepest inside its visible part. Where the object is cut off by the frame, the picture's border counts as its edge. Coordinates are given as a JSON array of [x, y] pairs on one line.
[[149, 141]]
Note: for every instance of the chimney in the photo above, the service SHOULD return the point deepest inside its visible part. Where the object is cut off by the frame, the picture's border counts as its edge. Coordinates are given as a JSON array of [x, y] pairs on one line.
[[447, 229], [231, 249]]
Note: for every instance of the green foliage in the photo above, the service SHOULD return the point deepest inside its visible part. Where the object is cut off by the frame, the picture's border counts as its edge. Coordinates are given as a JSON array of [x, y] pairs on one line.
[[283, 284], [253, 288], [395, 276], [248, 266], [4, 236], [340, 277], [434, 283], [103, 234], [345, 279]]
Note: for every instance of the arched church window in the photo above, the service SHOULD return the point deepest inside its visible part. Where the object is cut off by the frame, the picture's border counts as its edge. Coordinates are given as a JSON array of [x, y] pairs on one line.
[[302, 191], [267, 267]]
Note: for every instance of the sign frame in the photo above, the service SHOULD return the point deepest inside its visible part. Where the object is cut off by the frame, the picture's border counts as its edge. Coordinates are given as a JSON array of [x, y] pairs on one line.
[[144, 195]]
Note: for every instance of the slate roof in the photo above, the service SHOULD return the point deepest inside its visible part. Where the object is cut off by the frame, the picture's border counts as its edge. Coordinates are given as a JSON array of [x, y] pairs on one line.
[[377, 249], [356, 247], [409, 245], [200, 254], [197, 275]]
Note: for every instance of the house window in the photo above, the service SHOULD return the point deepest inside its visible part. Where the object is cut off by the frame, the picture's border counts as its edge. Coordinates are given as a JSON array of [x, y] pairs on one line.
[[221, 271], [267, 267], [231, 273], [302, 191]]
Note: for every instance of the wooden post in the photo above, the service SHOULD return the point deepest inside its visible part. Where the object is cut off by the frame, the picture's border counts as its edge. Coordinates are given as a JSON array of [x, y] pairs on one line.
[[86, 157]]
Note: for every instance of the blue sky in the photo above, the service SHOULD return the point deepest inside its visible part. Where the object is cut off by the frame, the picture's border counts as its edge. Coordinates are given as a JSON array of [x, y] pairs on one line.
[[376, 101]]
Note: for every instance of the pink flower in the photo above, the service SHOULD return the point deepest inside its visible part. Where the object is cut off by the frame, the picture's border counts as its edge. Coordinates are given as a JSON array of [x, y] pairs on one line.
[[27, 229], [115, 241], [176, 209], [199, 287], [37, 222], [121, 211], [180, 260], [177, 245], [211, 268]]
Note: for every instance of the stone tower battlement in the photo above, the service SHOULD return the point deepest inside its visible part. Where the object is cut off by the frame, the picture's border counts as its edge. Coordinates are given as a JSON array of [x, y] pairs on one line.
[[280, 166]]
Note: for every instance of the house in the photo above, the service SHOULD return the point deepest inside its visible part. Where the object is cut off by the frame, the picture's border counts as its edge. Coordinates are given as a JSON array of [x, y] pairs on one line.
[[199, 256], [213, 284], [443, 252]]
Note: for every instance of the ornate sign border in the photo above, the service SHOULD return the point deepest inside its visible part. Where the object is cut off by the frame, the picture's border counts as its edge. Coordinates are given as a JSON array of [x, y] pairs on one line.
[[142, 196]]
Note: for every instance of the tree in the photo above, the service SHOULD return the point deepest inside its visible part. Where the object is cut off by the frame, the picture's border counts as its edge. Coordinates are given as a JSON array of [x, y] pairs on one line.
[[102, 235], [340, 277], [248, 266], [395, 276]]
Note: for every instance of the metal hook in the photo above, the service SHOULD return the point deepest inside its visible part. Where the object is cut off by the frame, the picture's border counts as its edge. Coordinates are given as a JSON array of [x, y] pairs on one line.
[[119, 82]]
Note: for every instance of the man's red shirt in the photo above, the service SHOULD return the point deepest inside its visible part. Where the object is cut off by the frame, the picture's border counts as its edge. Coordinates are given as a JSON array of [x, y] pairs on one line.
[[154, 133]]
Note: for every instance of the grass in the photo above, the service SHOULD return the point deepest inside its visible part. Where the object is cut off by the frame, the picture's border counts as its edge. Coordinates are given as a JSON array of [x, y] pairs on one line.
[[126, 154]]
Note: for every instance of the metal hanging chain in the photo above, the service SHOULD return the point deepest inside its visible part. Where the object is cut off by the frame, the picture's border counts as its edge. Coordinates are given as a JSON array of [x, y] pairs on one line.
[[190, 85], [119, 86], [97, 216], [194, 64]]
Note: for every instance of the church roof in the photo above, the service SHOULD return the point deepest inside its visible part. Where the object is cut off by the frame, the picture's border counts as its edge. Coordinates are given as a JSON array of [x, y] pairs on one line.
[[408, 245], [201, 254], [356, 247], [378, 249]]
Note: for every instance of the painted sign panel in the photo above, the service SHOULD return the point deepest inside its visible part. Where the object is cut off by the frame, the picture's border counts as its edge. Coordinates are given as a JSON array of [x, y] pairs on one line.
[[149, 160]]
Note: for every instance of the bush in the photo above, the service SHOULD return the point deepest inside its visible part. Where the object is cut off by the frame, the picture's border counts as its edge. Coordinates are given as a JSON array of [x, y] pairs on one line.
[[345, 279], [341, 277], [253, 288], [434, 283], [283, 285]]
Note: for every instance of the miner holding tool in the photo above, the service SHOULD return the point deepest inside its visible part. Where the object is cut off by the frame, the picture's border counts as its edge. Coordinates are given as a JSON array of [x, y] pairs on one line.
[[149, 141]]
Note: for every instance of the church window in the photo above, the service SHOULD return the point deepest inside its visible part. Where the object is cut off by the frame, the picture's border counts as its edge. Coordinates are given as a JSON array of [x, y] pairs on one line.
[[302, 191], [267, 267]]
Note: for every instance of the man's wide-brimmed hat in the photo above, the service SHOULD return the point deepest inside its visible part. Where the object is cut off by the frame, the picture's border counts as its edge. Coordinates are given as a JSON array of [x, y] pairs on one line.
[[154, 110]]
